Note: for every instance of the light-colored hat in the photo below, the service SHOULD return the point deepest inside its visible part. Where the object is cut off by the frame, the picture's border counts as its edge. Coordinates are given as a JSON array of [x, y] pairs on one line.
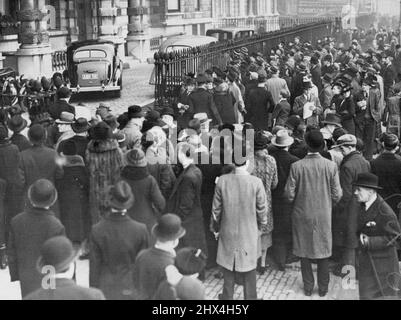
[[282, 139], [202, 117], [346, 140], [66, 118]]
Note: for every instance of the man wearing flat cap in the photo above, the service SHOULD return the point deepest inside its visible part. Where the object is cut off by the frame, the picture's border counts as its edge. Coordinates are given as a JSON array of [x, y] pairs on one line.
[[373, 234], [352, 165]]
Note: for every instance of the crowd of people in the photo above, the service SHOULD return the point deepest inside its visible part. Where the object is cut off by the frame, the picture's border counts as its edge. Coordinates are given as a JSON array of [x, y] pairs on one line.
[[273, 159]]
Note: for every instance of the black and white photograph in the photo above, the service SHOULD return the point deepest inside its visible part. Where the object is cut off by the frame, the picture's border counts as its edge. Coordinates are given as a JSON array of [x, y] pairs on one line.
[[200, 150]]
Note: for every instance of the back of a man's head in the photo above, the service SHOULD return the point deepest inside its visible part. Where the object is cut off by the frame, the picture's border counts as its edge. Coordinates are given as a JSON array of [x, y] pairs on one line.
[[37, 134]]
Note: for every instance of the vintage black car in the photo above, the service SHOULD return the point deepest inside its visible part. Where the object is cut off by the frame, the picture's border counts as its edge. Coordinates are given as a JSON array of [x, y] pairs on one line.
[[94, 65]]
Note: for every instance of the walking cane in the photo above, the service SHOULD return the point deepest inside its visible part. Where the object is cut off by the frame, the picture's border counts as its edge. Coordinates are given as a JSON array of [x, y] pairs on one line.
[[375, 273]]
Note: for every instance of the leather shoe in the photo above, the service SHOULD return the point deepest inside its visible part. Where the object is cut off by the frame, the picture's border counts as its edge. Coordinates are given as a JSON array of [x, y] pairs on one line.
[[308, 293], [322, 293]]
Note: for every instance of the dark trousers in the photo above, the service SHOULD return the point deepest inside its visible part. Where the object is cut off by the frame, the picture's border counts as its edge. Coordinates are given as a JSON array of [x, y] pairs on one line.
[[369, 135], [323, 275], [249, 280]]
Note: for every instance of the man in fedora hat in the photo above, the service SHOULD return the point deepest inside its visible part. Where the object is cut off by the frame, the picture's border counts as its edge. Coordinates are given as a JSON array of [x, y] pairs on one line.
[[112, 258], [17, 124], [331, 123], [201, 101], [307, 105], [313, 177], [352, 165], [58, 253], [80, 127], [150, 264], [28, 231], [373, 234], [282, 231], [276, 84]]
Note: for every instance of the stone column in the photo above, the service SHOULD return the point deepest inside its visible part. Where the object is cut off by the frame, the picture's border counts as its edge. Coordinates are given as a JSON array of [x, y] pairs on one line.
[[138, 39], [34, 55], [109, 29], [71, 20]]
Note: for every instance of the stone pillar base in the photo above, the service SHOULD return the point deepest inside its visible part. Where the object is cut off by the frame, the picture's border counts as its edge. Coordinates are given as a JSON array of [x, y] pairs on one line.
[[35, 61], [139, 47]]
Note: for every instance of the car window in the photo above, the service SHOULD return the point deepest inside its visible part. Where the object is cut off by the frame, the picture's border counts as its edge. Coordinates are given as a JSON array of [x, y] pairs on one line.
[[89, 54], [176, 48]]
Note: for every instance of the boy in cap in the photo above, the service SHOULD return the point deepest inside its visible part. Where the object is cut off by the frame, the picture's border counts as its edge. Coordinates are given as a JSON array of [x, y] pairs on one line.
[[58, 252], [150, 264]]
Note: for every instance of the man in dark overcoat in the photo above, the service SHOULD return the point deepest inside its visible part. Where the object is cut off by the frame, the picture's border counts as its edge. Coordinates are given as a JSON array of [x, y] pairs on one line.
[[58, 252], [29, 230], [352, 165], [115, 243], [201, 101], [282, 231], [260, 106], [387, 167], [373, 232]]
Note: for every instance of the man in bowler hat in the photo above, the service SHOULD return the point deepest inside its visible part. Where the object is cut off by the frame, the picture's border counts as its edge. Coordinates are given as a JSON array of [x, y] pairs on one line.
[[59, 254], [29, 230], [150, 264], [373, 233]]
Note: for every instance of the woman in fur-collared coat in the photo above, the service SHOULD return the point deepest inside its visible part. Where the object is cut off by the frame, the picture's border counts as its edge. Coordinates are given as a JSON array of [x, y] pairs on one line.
[[104, 159]]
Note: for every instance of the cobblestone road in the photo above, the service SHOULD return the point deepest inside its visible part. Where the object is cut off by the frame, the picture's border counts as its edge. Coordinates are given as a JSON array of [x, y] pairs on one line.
[[273, 285], [136, 90]]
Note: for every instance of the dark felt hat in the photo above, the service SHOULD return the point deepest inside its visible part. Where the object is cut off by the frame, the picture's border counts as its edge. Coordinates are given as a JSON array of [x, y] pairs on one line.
[[368, 180], [57, 252], [120, 196], [42, 194], [260, 141], [101, 131], [315, 140], [168, 228], [80, 125], [17, 123], [135, 112], [63, 92]]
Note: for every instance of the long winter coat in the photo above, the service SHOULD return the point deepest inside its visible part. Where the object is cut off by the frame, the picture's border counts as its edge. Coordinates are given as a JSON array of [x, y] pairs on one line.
[[313, 187], [29, 230], [266, 170], [282, 231], [384, 227], [351, 166], [260, 107], [149, 201], [201, 101], [73, 195], [239, 212], [225, 102], [9, 171], [104, 161], [346, 110], [115, 243], [185, 202]]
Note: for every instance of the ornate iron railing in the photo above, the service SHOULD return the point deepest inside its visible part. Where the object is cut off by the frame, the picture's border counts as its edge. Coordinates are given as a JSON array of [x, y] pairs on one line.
[[59, 60], [171, 68]]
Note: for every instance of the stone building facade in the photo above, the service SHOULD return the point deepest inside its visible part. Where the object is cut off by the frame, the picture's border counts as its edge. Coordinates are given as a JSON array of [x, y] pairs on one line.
[[30, 30]]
